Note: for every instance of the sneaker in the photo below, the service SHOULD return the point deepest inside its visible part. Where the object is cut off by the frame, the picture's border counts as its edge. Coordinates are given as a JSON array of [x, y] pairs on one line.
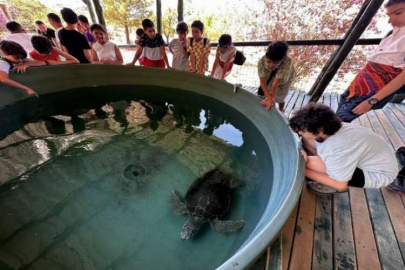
[[400, 154], [398, 185]]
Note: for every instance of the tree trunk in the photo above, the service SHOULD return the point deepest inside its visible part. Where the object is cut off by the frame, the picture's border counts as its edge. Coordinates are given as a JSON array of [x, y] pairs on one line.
[[127, 34], [99, 12], [89, 5], [159, 16], [180, 11]]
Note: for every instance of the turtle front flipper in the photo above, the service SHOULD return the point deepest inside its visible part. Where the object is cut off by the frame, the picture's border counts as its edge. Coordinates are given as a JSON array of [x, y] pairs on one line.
[[179, 208], [226, 226], [191, 227]]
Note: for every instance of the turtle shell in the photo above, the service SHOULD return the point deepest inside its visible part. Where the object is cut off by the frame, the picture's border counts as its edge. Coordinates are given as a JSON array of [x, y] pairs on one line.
[[209, 197]]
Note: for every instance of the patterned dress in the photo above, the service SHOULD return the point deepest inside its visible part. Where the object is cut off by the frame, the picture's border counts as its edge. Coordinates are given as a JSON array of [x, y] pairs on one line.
[[201, 52]]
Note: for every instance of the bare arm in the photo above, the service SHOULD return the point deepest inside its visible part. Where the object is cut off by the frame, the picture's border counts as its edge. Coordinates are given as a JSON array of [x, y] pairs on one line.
[[216, 63], [88, 55], [94, 55], [387, 90], [138, 54], [64, 49], [263, 85], [163, 51], [325, 179], [184, 49], [69, 58], [120, 59], [4, 78]]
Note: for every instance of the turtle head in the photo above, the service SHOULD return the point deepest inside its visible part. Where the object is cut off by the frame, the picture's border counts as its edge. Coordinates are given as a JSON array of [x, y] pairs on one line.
[[190, 228]]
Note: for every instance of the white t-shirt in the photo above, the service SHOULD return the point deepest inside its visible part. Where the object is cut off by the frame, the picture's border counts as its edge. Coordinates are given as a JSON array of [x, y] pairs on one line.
[[57, 34], [354, 147], [222, 58], [180, 62], [23, 39], [4, 66], [106, 51], [391, 50]]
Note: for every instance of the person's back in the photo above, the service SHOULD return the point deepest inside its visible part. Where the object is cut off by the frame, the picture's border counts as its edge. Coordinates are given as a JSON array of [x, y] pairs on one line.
[[18, 35], [74, 42], [366, 151]]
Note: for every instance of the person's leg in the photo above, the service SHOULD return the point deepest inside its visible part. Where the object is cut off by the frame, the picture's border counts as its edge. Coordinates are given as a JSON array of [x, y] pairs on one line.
[[315, 163], [281, 106]]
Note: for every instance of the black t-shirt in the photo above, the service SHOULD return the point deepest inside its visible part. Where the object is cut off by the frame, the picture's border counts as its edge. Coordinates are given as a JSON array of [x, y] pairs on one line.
[[49, 33], [75, 43], [157, 42]]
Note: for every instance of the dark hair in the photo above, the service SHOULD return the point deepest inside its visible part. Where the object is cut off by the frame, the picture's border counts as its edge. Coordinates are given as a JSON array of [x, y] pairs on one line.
[[139, 32], [13, 48], [39, 22], [69, 15], [182, 27], [225, 39], [54, 17], [147, 24], [277, 50], [315, 117], [99, 27], [394, 2], [199, 25], [13, 26], [41, 44], [83, 18]]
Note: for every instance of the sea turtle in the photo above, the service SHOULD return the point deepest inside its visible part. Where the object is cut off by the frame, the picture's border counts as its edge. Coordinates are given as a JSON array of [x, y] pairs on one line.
[[207, 200]]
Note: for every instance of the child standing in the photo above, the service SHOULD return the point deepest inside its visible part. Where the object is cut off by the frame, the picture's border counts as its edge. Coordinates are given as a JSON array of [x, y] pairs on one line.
[[139, 33], [276, 73], [152, 46], [178, 47], [104, 51], [199, 48], [224, 58]]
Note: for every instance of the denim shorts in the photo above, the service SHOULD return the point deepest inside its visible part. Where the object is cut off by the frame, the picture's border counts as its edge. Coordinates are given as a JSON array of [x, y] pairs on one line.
[[346, 105]]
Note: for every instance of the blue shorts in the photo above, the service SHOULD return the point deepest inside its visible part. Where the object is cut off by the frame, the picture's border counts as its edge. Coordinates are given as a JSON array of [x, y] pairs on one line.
[[346, 106]]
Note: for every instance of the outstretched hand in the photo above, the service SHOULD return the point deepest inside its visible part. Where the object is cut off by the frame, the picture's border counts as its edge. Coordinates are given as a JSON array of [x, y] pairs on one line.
[[305, 155]]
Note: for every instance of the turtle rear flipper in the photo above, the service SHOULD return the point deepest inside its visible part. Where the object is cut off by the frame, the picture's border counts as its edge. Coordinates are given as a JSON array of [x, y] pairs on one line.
[[226, 226], [179, 208]]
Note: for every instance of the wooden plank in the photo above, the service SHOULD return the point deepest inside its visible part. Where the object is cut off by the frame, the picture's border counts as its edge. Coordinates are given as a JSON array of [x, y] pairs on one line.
[[366, 249], [334, 102], [389, 129], [306, 100], [322, 257], [344, 250], [388, 248], [288, 238], [388, 245], [303, 242], [397, 119], [327, 99], [291, 103]]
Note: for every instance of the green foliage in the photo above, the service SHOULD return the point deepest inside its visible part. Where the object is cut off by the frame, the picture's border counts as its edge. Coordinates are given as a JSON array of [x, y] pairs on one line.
[[169, 23], [126, 13], [27, 12]]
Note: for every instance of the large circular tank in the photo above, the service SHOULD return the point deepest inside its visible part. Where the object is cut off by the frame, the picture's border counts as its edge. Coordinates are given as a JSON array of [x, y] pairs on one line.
[[287, 165]]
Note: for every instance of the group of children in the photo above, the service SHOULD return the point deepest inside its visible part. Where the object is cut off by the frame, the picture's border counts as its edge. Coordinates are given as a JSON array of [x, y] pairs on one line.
[[337, 154], [189, 54]]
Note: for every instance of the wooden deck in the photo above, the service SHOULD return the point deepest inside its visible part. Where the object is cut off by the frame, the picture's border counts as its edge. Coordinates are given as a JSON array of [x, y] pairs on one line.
[[361, 229]]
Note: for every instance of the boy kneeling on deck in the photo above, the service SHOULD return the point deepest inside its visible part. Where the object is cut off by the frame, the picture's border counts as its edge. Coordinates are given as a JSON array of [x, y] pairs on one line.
[[342, 154]]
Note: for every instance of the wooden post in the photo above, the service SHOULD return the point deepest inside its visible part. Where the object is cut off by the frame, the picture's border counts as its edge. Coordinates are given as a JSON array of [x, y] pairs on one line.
[[180, 6], [99, 12], [89, 5], [347, 46], [159, 16], [327, 65]]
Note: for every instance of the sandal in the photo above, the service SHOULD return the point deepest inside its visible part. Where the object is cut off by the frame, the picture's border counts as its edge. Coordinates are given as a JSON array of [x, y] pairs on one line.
[[322, 189]]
